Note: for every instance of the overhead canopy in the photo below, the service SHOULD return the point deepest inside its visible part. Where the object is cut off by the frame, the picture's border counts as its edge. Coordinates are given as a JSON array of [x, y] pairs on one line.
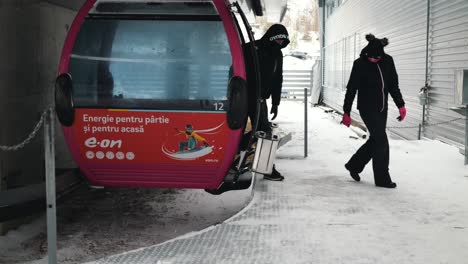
[[70, 4], [272, 9]]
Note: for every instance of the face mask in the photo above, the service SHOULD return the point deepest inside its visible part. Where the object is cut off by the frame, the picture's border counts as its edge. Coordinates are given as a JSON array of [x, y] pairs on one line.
[[374, 60], [280, 42]]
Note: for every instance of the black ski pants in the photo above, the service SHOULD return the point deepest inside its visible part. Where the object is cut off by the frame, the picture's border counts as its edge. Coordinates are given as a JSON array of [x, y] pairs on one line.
[[376, 147], [263, 123]]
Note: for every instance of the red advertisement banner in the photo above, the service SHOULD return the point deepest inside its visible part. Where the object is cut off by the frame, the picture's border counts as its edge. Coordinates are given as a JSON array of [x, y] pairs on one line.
[[113, 136]]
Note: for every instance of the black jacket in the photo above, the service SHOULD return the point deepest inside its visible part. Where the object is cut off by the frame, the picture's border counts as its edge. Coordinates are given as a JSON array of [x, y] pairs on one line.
[[271, 64], [366, 79]]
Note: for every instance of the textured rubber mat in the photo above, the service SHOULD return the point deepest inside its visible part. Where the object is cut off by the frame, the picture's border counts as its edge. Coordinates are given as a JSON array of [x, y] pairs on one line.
[[258, 234]]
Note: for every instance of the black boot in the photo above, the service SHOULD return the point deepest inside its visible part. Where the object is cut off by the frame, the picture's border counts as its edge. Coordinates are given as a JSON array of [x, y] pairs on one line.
[[274, 176], [387, 185], [353, 174]]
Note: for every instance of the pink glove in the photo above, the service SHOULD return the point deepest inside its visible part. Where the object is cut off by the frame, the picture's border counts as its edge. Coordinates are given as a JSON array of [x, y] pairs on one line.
[[346, 120], [402, 114]]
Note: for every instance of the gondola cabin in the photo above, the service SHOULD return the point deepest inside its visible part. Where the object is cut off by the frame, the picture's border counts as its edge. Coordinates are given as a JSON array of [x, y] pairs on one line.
[[152, 93]]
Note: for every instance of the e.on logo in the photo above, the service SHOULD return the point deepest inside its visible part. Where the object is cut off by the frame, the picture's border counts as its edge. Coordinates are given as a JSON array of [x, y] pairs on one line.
[[105, 143]]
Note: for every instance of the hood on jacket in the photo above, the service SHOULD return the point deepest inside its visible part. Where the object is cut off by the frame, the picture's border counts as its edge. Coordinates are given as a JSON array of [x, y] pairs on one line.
[[277, 32], [375, 47]]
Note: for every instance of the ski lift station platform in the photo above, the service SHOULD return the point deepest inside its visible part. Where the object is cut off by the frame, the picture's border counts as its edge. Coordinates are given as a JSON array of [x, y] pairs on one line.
[[63, 201], [320, 215]]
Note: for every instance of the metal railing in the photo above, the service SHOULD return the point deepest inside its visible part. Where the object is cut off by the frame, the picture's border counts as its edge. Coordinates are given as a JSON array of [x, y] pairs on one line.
[[46, 120]]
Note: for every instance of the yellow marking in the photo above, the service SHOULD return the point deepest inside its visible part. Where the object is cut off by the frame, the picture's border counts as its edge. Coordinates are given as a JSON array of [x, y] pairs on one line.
[[118, 110]]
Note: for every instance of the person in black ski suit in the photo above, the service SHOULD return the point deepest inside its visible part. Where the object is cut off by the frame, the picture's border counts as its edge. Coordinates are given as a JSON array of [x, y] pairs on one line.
[[271, 78], [373, 77]]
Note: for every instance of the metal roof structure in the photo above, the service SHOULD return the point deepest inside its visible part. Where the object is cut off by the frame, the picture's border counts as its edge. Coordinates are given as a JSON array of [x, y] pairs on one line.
[[272, 9]]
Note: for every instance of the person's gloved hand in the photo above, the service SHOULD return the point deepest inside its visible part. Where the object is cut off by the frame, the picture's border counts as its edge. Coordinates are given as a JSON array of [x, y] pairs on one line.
[[402, 114], [346, 120], [274, 111]]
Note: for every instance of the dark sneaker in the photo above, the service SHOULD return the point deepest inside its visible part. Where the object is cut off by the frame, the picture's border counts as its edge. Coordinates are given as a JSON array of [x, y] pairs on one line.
[[388, 185], [274, 176], [271, 177], [353, 174]]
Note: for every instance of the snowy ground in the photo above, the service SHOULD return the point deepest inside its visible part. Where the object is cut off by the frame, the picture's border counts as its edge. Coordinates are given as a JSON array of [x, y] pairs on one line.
[[320, 214], [292, 63], [424, 220], [97, 223]]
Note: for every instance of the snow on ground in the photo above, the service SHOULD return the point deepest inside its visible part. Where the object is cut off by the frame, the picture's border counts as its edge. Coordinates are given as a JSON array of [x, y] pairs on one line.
[[293, 63], [320, 215], [423, 220], [97, 223]]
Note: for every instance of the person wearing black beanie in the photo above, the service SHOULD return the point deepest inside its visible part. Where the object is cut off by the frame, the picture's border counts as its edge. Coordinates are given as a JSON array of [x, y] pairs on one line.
[[373, 77], [271, 78]]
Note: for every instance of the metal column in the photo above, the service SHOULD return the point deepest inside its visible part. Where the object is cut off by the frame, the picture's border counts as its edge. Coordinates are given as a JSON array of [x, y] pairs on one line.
[[428, 23], [466, 135], [49, 148], [305, 123]]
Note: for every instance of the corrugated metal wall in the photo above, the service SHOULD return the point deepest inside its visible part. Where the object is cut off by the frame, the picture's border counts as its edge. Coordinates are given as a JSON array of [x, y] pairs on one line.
[[404, 23], [448, 52]]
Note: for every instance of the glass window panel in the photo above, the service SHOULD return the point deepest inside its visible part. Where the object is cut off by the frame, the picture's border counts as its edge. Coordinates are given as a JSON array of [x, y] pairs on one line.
[[130, 62]]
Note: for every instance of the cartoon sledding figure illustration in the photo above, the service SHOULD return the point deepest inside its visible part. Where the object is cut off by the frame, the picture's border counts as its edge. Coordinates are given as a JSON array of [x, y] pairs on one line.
[[192, 139], [195, 146]]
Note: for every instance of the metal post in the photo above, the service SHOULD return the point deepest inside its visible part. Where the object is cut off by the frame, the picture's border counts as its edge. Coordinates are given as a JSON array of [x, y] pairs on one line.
[[466, 135], [305, 123], [422, 122], [322, 44], [428, 23], [419, 132], [49, 149], [254, 182]]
